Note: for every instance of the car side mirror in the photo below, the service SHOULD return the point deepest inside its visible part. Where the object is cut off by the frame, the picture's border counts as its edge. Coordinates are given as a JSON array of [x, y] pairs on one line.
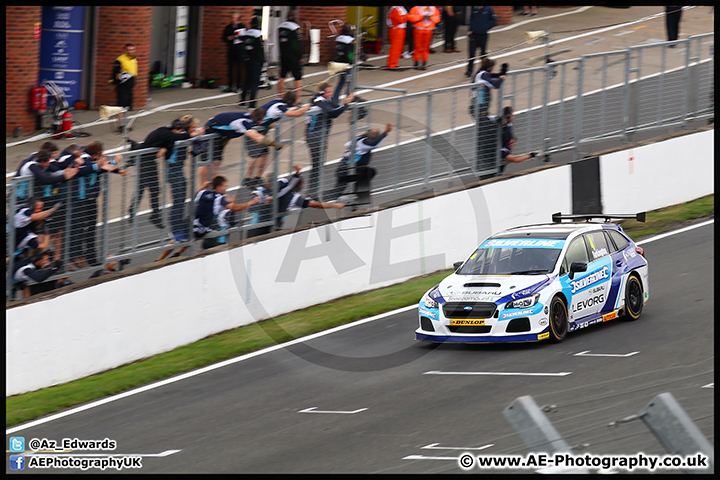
[[457, 265], [577, 267]]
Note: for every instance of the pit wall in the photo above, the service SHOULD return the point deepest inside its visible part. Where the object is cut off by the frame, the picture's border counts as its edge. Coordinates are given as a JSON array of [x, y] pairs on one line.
[[137, 316]]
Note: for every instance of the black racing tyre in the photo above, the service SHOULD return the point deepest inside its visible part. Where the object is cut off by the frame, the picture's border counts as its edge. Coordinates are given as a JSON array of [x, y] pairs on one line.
[[558, 320], [633, 298]]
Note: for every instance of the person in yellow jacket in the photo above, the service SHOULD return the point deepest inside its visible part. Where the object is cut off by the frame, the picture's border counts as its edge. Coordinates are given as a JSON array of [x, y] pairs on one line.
[[397, 26], [423, 20], [125, 71]]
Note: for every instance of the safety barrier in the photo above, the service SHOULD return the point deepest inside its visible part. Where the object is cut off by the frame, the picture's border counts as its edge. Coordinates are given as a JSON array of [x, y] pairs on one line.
[[561, 106]]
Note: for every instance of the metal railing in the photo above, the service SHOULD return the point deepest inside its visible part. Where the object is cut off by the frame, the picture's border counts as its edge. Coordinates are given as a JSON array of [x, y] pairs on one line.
[[561, 106]]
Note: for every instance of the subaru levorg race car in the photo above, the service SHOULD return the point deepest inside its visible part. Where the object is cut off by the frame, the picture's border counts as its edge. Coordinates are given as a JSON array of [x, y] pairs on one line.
[[539, 282]]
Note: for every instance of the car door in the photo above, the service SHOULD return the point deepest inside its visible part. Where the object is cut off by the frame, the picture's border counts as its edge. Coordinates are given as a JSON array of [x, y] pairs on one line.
[[576, 252], [596, 281]]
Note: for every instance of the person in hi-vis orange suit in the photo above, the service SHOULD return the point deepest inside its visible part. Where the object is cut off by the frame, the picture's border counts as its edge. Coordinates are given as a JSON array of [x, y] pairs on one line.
[[424, 20], [397, 23]]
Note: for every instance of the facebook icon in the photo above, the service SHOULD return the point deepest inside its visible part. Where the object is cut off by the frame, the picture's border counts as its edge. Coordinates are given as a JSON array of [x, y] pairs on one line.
[[17, 462]]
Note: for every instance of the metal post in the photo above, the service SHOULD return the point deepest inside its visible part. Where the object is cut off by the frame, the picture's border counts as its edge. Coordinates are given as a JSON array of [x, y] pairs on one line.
[[544, 118], [534, 427], [686, 79], [675, 431], [10, 248], [428, 138], [396, 166], [661, 93], [276, 202], [106, 225], [578, 110], [626, 96]]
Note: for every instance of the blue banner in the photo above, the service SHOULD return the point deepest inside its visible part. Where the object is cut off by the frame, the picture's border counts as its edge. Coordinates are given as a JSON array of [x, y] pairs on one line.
[[61, 49]]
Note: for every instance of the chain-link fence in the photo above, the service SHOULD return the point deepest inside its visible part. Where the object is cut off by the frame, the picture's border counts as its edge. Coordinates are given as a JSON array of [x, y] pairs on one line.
[[108, 219]]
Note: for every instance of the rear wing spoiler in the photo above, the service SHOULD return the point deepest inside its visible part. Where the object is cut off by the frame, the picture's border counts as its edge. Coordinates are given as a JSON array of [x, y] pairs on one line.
[[559, 217]]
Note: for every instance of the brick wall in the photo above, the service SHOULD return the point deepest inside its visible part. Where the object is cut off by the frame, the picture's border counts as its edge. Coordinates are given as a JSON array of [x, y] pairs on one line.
[[504, 14], [117, 26], [319, 16], [22, 61], [213, 51]]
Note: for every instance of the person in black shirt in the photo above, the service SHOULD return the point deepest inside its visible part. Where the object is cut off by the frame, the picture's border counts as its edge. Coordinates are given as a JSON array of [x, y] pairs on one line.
[[164, 139], [231, 36], [290, 52], [253, 47]]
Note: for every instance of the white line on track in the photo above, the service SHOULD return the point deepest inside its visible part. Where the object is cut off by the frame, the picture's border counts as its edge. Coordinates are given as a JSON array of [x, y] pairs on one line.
[[231, 361], [434, 446], [166, 453], [423, 457], [587, 353], [312, 410], [502, 374]]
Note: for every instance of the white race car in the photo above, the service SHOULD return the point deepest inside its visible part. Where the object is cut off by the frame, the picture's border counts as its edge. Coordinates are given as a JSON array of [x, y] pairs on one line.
[[539, 282]]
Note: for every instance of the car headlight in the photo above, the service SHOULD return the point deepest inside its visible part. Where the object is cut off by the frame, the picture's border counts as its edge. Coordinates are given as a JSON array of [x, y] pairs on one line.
[[523, 302], [428, 300]]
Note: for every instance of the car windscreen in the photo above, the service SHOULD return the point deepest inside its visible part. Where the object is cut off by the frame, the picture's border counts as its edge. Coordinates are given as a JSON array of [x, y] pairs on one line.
[[513, 256]]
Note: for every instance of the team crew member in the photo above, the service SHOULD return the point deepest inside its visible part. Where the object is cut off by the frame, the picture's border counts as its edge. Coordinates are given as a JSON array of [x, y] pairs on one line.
[[231, 36], [254, 51], [506, 155], [486, 137], [364, 145], [48, 185], [290, 52], [37, 269], [325, 107], [288, 198], [211, 205], [164, 139], [28, 222], [482, 19], [423, 19], [125, 70], [83, 207], [397, 27], [274, 111]]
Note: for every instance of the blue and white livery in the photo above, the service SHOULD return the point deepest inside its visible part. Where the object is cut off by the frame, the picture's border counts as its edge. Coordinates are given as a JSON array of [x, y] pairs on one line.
[[538, 282]]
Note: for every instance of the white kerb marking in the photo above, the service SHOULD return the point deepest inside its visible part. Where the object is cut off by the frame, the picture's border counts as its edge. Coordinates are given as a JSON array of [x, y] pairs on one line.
[[587, 353], [434, 446], [312, 410]]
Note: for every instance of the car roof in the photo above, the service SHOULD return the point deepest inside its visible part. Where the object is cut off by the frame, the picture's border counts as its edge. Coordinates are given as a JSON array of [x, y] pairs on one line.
[[550, 230]]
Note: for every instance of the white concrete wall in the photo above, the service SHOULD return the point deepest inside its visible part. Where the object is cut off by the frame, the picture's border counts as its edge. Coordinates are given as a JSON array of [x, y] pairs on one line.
[[102, 327], [660, 174], [108, 325]]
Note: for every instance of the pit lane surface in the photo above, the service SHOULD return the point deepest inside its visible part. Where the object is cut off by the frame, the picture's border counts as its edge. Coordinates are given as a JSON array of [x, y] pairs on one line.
[[361, 400]]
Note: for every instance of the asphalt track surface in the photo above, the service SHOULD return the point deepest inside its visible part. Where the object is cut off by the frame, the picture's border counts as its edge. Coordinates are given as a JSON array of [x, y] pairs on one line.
[[361, 400]]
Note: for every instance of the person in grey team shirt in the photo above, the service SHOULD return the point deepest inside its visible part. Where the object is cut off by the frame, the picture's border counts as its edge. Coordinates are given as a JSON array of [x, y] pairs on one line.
[[325, 107]]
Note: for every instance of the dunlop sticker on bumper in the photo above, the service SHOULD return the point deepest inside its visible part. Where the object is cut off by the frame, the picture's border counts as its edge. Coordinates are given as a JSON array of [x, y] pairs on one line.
[[474, 322], [543, 336]]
